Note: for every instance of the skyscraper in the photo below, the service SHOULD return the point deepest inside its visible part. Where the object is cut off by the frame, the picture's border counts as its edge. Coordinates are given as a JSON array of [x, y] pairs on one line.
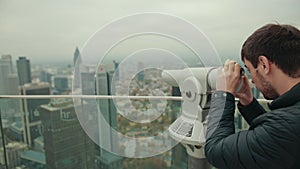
[[88, 80], [88, 83], [31, 110], [45, 76], [24, 71], [67, 146], [116, 67], [13, 88], [8, 60], [5, 70], [8, 85], [76, 72], [109, 112], [77, 56], [62, 83]]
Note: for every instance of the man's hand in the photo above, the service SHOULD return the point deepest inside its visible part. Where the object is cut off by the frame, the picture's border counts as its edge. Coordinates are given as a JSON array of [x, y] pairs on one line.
[[230, 80], [245, 94]]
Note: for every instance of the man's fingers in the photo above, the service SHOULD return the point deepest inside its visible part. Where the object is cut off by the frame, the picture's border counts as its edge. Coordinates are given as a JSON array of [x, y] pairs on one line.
[[232, 69], [237, 69], [226, 65], [231, 65]]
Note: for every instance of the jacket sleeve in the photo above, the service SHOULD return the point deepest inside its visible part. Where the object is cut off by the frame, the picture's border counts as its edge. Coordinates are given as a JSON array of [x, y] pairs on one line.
[[251, 111], [265, 146]]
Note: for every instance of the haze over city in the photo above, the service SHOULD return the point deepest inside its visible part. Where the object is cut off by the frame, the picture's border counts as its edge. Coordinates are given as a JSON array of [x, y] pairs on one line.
[[47, 31]]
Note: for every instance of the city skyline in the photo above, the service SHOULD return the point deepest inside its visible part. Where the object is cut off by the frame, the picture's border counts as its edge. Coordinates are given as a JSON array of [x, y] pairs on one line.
[[53, 37], [37, 153], [42, 134]]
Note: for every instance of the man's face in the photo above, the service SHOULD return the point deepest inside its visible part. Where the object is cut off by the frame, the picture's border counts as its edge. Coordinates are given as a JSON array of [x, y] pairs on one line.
[[261, 82]]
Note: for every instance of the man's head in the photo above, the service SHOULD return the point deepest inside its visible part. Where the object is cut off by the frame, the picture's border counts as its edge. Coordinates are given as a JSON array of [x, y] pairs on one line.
[[271, 47]]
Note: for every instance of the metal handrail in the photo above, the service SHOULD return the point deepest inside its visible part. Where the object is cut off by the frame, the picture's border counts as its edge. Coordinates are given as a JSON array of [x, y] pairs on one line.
[[100, 97], [89, 97]]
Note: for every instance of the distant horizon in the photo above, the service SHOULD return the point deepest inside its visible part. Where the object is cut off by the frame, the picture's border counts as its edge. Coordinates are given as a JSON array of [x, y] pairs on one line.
[[66, 62], [30, 28]]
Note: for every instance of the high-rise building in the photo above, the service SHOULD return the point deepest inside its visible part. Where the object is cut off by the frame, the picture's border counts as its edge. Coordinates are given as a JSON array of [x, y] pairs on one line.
[[77, 57], [45, 76], [62, 83], [5, 71], [13, 154], [30, 108], [116, 67], [66, 144], [8, 60], [88, 80], [24, 70], [13, 88], [108, 110], [88, 83], [15, 132], [8, 85], [77, 62]]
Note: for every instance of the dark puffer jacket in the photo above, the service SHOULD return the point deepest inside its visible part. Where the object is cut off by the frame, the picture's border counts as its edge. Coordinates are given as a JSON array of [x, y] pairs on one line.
[[272, 141]]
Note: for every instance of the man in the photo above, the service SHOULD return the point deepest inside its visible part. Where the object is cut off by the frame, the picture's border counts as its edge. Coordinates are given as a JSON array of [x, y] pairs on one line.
[[272, 56]]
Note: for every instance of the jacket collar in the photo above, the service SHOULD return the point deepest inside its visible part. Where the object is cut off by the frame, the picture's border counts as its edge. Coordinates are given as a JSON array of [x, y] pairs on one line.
[[287, 99]]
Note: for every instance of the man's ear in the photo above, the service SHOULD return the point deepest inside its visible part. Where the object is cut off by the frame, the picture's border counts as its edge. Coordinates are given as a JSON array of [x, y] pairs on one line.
[[264, 63]]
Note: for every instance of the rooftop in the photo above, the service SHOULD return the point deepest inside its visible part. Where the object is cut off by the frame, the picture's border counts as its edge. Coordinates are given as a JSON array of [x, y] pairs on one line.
[[17, 126], [35, 156]]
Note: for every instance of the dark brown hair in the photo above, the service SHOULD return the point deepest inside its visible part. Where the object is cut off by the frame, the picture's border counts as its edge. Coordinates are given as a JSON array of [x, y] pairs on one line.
[[279, 43]]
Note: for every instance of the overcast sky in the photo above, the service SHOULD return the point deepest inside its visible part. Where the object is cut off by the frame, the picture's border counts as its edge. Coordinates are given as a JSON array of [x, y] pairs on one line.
[[51, 30]]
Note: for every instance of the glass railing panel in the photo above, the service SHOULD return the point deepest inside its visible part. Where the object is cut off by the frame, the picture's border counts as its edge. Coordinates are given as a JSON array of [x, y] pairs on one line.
[[48, 133]]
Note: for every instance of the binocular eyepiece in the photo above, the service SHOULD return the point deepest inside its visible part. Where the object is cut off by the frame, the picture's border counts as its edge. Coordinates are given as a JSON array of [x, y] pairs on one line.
[[242, 72]]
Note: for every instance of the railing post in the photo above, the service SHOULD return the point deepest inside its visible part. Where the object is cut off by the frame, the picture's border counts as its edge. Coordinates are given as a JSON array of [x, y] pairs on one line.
[[3, 141]]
